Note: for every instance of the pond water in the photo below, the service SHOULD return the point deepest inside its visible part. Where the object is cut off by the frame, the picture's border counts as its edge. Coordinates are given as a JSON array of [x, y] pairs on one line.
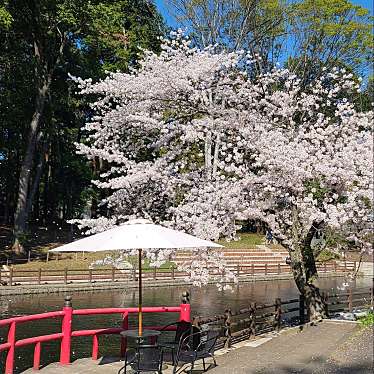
[[206, 301]]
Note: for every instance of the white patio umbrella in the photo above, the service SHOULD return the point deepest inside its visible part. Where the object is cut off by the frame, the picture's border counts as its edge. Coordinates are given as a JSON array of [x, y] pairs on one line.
[[136, 234]]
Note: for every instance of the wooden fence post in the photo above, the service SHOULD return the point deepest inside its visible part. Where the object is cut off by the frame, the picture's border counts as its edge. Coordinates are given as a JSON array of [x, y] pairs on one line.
[[238, 270], [66, 276], [252, 320], [10, 276], [113, 273], [301, 309], [354, 266], [325, 300], [266, 268], [172, 272], [28, 256], [39, 276], [324, 267], [155, 273], [278, 314], [350, 306], [253, 269], [0, 276], [335, 267], [47, 257], [279, 269], [90, 275], [227, 328]]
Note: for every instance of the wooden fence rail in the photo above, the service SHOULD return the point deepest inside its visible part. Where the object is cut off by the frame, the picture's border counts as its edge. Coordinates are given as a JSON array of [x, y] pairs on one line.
[[239, 325], [17, 276]]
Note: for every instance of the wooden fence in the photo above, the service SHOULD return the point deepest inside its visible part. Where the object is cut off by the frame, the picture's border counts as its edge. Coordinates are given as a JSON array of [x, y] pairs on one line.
[[17, 276], [258, 319]]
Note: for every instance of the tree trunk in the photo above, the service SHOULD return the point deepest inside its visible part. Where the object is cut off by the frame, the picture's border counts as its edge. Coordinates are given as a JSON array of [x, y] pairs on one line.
[[38, 174], [20, 216], [314, 302], [47, 56], [208, 155], [304, 269]]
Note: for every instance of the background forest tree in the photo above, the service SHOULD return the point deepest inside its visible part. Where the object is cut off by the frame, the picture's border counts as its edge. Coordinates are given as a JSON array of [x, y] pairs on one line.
[[42, 179]]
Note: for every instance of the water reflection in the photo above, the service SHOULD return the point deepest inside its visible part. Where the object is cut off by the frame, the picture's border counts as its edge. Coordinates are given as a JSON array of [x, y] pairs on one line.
[[205, 301]]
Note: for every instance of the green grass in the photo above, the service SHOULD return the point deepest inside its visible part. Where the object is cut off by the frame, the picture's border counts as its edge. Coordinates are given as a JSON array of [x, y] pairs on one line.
[[368, 320], [327, 255], [246, 240]]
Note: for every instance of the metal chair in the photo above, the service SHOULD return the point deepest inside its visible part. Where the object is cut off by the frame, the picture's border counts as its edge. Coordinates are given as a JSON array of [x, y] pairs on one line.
[[183, 329], [145, 358], [197, 346]]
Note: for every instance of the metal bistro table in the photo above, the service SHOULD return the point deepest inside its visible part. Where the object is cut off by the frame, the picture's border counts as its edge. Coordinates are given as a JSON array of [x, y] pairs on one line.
[[134, 357], [134, 334]]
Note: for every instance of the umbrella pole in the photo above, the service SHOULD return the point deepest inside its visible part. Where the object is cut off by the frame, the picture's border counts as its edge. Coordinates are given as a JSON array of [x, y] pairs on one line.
[[140, 314]]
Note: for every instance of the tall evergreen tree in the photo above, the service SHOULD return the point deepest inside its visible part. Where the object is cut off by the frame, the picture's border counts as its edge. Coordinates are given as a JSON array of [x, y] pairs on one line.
[[45, 41]]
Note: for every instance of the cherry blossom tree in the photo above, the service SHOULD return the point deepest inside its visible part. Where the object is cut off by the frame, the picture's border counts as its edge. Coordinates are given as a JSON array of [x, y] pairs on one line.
[[314, 160], [192, 141]]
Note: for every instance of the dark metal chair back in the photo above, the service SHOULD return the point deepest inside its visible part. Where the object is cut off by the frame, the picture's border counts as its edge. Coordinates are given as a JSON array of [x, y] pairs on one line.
[[147, 358], [183, 329], [210, 341], [199, 345]]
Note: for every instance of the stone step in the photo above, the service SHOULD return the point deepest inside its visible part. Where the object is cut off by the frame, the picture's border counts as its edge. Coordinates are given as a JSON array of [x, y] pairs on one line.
[[239, 258], [236, 260]]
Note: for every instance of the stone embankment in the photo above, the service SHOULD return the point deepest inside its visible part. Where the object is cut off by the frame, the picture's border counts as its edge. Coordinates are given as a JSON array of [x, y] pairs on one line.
[[128, 285]]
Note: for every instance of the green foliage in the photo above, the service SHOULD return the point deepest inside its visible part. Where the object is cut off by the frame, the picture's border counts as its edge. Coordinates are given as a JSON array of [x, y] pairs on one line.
[[117, 31], [314, 187], [5, 18], [327, 255], [73, 36], [368, 320], [329, 33]]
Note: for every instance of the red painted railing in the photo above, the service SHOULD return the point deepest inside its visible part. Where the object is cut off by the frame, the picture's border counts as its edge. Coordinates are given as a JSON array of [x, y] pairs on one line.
[[66, 334]]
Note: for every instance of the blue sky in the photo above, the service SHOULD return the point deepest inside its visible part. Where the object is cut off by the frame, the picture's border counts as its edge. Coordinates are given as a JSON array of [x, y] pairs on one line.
[[161, 4]]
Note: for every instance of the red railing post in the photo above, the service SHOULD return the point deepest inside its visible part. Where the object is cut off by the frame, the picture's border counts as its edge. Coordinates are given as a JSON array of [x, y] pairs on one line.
[[95, 347], [185, 313], [66, 331], [9, 363], [37, 351], [125, 326]]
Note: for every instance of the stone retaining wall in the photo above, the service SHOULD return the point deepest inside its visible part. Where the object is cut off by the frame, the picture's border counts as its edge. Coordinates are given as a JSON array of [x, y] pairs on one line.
[[50, 288]]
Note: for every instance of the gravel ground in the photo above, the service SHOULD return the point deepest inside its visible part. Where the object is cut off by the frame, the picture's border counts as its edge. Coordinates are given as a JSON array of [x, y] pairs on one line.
[[354, 356]]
